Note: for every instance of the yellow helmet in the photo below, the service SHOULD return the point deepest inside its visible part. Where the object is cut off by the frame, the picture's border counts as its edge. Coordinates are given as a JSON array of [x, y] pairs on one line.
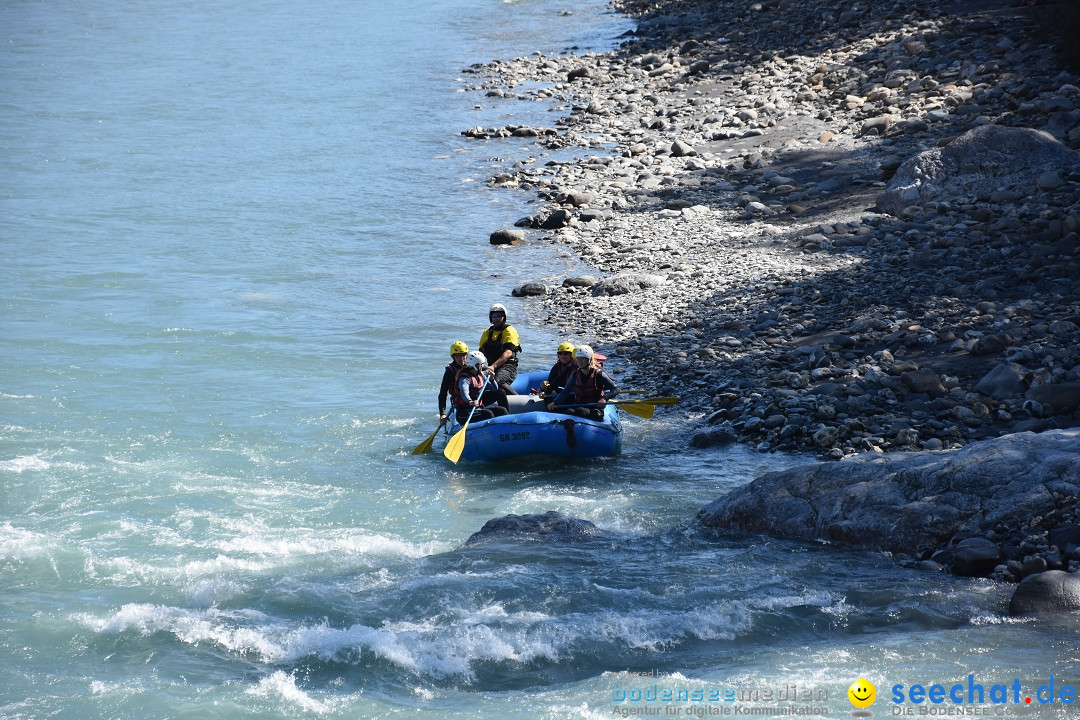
[[459, 348], [566, 347]]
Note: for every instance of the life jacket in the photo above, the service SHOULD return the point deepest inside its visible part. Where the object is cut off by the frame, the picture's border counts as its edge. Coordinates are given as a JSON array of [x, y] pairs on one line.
[[559, 374], [493, 347], [587, 389], [476, 382]]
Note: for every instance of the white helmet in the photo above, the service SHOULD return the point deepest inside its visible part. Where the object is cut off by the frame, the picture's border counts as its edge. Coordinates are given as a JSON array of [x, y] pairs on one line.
[[583, 351], [497, 308], [477, 360]]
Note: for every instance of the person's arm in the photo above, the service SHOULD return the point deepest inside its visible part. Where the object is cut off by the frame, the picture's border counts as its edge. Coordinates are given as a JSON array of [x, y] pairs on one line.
[[501, 360], [564, 395], [608, 385], [551, 385], [511, 343], [444, 390], [465, 387]]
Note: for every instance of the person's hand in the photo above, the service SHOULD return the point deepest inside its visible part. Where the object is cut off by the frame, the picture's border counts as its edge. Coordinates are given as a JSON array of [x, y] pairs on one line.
[[551, 407], [601, 403], [442, 419], [490, 371]]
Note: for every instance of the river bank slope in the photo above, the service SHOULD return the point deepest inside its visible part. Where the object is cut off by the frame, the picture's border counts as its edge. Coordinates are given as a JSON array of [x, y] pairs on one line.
[[828, 228], [730, 221]]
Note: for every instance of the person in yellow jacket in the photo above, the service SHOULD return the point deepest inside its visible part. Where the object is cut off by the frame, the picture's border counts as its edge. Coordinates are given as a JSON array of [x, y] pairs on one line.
[[501, 345]]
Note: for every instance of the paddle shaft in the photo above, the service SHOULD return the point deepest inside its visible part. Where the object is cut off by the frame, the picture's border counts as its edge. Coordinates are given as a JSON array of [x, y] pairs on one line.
[[610, 402], [640, 409]]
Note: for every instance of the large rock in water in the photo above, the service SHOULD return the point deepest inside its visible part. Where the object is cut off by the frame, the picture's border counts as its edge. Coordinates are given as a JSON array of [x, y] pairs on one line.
[[1047, 593], [909, 502], [977, 163], [549, 526]]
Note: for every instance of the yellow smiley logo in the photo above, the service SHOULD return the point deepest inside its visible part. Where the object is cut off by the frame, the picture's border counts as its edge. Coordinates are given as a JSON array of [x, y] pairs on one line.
[[862, 693]]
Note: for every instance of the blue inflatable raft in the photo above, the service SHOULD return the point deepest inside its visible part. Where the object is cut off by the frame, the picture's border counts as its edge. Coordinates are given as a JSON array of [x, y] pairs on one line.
[[530, 429]]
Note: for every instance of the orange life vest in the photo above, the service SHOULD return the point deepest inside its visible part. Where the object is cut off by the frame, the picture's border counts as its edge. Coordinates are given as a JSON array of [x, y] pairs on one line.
[[587, 389], [476, 382]]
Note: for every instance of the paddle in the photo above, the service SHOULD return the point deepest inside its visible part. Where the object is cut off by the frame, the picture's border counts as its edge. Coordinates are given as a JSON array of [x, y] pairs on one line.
[[456, 444], [640, 409], [651, 400], [425, 447]]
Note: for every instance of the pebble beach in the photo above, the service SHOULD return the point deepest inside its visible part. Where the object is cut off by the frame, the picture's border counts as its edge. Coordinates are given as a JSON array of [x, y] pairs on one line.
[[743, 241]]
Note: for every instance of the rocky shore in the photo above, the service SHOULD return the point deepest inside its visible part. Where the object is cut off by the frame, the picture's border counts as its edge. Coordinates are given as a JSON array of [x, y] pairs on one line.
[[826, 227], [749, 208]]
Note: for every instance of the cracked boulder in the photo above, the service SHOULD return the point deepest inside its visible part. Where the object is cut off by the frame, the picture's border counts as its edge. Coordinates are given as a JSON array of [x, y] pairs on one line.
[[977, 163], [908, 502]]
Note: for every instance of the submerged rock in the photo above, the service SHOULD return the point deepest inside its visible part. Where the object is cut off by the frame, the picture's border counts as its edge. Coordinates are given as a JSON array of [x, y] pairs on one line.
[[506, 237], [551, 526]]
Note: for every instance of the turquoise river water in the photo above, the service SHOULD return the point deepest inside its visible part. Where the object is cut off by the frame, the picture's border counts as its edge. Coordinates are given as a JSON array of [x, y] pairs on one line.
[[236, 241]]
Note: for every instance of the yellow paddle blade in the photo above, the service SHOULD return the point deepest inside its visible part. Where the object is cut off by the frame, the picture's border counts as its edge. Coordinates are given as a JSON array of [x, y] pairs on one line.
[[456, 445], [641, 409], [425, 447]]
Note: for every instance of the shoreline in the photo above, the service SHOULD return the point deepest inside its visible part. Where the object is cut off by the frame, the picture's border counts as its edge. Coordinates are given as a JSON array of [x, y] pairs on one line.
[[728, 208]]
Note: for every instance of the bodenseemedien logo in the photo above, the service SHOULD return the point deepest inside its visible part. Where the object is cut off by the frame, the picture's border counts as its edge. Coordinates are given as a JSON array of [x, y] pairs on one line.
[[862, 695]]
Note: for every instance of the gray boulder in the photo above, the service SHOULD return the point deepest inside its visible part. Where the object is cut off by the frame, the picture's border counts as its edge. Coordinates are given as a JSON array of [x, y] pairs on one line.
[[975, 557], [1004, 381], [1047, 593], [549, 526], [556, 220], [507, 237], [979, 162], [590, 215], [907, 502], [990, 345], [530, 290], [577, 198], [924, 381], [713, 437], [681, 149], [1056, 398], [627, 283]]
